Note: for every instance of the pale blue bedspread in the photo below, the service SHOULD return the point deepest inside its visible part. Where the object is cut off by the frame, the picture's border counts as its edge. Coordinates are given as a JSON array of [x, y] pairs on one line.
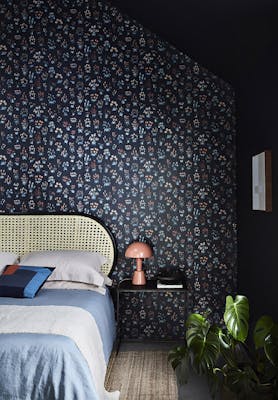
[[51, 367]]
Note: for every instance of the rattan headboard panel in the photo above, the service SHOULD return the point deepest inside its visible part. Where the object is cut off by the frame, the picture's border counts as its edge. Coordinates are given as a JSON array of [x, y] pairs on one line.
[[24, 233]]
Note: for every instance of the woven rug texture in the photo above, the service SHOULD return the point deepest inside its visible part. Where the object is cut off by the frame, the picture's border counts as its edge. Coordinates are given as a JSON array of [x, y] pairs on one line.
[[141, 375]]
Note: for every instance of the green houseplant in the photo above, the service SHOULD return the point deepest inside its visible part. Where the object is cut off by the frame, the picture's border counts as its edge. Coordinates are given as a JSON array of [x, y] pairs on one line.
[[227, 356]]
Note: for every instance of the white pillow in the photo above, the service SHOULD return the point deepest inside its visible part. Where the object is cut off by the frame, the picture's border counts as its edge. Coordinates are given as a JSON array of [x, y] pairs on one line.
[[7, 258], [73, 285], [70, 265]]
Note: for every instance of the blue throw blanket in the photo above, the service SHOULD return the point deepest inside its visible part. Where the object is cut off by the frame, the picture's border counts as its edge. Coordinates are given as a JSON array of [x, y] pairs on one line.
[[50, 367]]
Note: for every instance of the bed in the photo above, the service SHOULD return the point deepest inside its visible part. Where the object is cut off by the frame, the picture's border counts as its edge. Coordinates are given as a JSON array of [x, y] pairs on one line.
[[56, 344]]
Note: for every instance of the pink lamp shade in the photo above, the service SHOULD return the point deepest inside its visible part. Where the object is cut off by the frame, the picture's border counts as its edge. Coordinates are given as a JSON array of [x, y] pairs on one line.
[[139, 250]]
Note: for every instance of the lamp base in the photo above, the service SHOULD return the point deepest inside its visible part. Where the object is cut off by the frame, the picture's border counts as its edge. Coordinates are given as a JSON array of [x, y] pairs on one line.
[[139, 278]]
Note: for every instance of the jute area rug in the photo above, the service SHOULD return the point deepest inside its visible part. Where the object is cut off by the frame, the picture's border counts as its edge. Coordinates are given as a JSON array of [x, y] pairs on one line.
[[141, 375]]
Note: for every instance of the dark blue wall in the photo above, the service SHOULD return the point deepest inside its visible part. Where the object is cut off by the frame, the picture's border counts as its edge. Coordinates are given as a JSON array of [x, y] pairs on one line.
[[100, 116], [257, 230]]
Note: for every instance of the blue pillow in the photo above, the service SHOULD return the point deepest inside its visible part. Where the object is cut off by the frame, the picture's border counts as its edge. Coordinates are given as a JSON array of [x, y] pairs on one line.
[[23, 280]]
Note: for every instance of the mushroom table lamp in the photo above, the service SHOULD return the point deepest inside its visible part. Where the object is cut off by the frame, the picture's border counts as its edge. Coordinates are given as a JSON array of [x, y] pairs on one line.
[[139, 250]]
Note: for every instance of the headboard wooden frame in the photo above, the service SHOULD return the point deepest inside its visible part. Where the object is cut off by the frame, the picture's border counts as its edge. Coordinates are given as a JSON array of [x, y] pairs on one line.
[[22, 234]]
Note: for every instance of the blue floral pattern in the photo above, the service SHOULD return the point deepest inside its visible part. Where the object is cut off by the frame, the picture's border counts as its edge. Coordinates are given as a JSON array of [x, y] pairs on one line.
[[159, 315], [99, 116]]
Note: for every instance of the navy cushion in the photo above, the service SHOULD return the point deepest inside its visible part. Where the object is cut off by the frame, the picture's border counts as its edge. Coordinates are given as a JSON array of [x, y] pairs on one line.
[[23, 280]]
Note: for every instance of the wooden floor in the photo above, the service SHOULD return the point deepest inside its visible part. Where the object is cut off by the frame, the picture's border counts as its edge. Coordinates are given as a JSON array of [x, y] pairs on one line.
[[142, 372]]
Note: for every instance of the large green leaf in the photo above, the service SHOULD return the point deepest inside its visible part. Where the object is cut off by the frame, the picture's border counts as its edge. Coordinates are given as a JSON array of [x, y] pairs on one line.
[[271, 345], [228, 349], [262, 329], [204, 350], [196, 325], [176, 355], [234, 353], [241, 381], [236, 317]]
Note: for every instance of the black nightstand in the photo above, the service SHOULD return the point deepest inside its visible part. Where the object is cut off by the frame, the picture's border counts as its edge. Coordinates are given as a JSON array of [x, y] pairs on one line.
[[126, 286]]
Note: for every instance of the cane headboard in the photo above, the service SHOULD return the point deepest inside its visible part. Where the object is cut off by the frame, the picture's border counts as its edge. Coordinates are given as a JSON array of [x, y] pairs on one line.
[[21, 234]]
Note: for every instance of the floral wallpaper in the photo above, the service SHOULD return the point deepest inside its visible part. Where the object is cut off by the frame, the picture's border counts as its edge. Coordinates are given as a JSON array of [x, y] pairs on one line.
[[100, 116]]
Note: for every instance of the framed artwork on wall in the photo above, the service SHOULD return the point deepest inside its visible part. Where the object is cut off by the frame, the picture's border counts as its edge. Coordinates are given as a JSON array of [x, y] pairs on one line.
[[262, 181]]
